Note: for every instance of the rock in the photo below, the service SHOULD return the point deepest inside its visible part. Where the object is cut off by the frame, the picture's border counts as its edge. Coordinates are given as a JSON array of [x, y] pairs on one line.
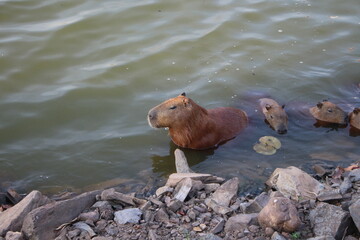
[[152, 235], [162, 190], [205, 178], [256, 205], [329, 195], [13, 236], [220, 199], [102, 238], [174, 205], [181, 162], [329, 220], [182, 189], [280, 214], [13, 196], [131, 215], [322, 238], [161, 216], [345, 186], [355, 213], [92, 216], [354, 175], [320, 170], [12, 219], [218, 227], [73, 233], [269, 231], [277, 236], [38, 222], [240, 222], [294, 183], [211, 187], [85, 227], [117, 197]]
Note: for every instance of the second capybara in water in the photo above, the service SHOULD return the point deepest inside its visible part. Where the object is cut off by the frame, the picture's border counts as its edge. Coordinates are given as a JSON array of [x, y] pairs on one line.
[[354, 118], [329, 112], [192, 126], [275, 115]]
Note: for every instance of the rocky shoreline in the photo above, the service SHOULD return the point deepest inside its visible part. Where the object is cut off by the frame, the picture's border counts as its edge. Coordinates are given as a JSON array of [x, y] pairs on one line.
[[192, 205]]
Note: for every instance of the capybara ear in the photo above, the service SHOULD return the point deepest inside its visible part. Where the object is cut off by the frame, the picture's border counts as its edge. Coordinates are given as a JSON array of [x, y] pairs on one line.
[[325, 100], [186, 102], [268, 107], [183, 94], [319, 105], [356, 110], [283, 106]]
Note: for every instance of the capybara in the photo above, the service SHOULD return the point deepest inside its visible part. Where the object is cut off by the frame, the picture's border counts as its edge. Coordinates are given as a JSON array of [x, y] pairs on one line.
[[192, 126], [275, 115], [354, 118], [327, 111]]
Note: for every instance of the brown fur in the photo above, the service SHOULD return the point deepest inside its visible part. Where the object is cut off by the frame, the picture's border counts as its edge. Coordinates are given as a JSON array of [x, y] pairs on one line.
[[354, 118], [275, 115], [192, 126], [329, 112]]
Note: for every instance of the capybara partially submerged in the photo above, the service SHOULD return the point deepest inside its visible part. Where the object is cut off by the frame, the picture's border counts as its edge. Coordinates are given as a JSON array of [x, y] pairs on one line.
[[192, 126], [329, 112], [354, 118], [275, 115]]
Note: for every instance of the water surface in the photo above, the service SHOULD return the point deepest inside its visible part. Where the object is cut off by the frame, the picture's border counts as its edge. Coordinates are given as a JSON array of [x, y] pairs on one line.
[[77, 79]]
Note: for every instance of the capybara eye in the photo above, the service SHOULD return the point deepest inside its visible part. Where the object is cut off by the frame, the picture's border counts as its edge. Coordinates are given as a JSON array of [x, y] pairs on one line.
[[172, 107], [330, 110], [271, 116]]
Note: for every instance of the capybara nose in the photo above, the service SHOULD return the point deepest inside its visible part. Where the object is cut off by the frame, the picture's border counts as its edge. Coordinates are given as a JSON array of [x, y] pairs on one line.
[[282, 131]]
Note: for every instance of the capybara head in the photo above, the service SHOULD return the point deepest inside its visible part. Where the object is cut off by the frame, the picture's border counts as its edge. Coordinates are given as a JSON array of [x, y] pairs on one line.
[[355, 118], [172, 113], [276, 117], [328, 112]]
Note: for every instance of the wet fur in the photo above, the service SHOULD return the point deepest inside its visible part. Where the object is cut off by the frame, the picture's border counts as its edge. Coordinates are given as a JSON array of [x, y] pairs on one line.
[[192, 126], [329, 112], [275, 114], [354, 118]]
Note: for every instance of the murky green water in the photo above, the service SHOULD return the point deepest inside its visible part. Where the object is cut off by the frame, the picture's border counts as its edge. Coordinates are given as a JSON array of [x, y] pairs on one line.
[[77, 79]]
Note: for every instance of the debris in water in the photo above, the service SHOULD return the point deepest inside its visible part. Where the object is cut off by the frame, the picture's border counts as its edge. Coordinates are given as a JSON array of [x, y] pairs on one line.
[[267, 145]]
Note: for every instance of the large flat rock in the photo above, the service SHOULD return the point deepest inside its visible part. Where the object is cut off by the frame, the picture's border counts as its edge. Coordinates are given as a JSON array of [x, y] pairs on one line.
[[41, 223], [12, 219], [295, 183]]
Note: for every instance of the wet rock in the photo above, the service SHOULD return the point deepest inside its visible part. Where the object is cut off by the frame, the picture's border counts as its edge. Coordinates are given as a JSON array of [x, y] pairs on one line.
[[131, 215], [181, 162], [294, 183], [117, 197], [38, 222], [355, 213], [329, 220], [280, 214], [182, 189], [320, 170], [329, 195], [220, 199], [83, 226], [239, 223], [163, 190], [205, 178], [12, 219], [13, 196], [13, 236]]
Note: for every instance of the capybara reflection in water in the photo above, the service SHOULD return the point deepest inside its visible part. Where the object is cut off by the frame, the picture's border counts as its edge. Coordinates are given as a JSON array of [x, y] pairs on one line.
[[354, 118], [275, 115], [329, 112], [192, 126]]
